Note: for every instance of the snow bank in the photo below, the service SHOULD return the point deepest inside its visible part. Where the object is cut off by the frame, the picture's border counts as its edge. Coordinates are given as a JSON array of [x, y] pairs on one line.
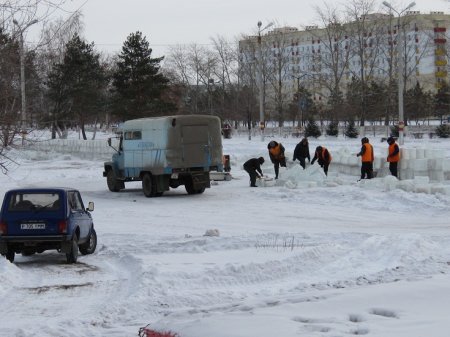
[[414, 162], [313, 176], [85, 149]]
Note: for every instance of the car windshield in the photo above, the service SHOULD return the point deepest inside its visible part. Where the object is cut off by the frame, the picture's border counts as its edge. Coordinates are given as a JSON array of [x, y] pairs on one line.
[[34, 202]]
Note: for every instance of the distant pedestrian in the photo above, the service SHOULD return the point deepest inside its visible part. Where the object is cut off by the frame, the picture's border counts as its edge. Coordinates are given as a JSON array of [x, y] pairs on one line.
[[367, 158], [393, 156], [253, 168], [276, 154], [323, 157], [301, 152]]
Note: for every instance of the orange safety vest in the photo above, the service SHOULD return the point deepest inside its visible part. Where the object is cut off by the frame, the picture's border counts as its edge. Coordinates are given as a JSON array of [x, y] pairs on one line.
[[276, 152], [393, 159], [324, 149], [368, 154]]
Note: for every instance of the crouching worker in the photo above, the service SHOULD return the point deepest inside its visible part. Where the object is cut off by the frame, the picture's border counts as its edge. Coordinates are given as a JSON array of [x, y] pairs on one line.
[[253, 168], [323, 157], [301, 152]]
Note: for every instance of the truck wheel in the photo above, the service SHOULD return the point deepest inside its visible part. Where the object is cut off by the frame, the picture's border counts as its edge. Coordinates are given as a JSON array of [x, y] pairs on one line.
[[191, 190], [90, 245], [114, 185], [148, 185], [72, 256], [189, 186], [10, 256]]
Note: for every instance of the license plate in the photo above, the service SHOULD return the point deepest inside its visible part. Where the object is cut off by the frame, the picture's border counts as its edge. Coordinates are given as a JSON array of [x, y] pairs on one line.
[[32, 226]]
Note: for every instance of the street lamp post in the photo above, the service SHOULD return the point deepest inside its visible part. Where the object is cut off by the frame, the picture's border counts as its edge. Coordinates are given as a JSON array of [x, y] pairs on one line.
[[22, 72], [400, 68], [210, 85], [260, 79]]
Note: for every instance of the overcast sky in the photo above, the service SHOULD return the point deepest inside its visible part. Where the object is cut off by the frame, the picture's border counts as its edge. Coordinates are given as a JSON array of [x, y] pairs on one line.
[[171, 22]]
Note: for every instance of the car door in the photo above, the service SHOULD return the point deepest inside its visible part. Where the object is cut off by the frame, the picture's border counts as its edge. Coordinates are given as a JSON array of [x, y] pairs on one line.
[[80, 216]]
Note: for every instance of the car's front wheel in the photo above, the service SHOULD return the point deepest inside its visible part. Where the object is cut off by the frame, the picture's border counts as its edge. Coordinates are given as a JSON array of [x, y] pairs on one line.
[[72, 255], [90, 245]]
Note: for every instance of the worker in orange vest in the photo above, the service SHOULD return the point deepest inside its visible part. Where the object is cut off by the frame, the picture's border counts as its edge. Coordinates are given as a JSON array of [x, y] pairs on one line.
[[323, 157], [276, 154], [367, 158], [393, 156]]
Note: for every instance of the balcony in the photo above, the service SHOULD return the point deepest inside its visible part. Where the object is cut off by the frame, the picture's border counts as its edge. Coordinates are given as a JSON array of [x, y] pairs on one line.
[[441, 74], [441, 63]]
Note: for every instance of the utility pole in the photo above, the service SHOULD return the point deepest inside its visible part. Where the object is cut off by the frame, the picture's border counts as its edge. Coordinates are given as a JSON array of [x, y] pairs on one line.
[[23, 114], [400, 68], [260, 79]]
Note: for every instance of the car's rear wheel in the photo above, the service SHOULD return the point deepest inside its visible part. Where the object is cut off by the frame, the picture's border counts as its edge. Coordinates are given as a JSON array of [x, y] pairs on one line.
[[10, 256], [72, 255], [90, 245]]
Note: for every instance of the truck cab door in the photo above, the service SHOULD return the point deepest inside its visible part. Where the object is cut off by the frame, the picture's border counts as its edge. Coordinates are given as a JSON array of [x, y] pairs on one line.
[[132, 152]]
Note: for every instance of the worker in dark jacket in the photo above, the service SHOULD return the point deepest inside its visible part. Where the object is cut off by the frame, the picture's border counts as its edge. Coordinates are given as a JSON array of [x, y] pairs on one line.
[[276, 154], [253, 168], [301, 152], [393, 156], [323, 157], [367, 158]]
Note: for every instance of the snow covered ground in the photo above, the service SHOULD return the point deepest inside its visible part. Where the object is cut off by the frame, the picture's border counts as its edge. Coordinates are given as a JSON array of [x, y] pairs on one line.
[[326, 257]]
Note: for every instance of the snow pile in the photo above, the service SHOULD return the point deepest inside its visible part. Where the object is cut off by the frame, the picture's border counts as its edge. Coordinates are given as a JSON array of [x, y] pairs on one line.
[[297, 177], [10, 275], [420, 184], [212, 232]]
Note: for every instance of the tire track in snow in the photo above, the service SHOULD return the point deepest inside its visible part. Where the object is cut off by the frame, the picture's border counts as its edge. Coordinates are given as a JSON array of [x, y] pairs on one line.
[[174, 288]]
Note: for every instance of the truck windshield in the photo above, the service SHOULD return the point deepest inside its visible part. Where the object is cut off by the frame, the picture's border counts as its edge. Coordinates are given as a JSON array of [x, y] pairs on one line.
[[34, 202]]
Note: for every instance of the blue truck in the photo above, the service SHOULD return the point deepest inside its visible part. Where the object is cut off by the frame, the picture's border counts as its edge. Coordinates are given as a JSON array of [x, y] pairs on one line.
[[166, 152], [33, 220]]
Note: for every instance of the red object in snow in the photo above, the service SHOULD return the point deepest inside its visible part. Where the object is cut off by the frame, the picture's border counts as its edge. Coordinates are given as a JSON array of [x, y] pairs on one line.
[[147, 332]]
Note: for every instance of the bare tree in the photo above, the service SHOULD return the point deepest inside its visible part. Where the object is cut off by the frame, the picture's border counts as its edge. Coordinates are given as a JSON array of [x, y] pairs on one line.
[[279, 73], [178, 61], [334, 54], [57, 34], [247, 79], [16, 18], [366, 36], [226, 72]]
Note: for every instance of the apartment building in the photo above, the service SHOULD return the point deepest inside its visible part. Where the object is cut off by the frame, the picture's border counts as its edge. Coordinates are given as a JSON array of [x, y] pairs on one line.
[[369, 49]]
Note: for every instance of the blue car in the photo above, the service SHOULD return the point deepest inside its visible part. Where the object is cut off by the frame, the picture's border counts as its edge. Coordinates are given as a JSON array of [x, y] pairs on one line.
[[34, 220]]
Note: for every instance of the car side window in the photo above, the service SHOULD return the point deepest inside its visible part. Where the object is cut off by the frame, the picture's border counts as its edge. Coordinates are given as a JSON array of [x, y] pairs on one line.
[[75, 202]]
